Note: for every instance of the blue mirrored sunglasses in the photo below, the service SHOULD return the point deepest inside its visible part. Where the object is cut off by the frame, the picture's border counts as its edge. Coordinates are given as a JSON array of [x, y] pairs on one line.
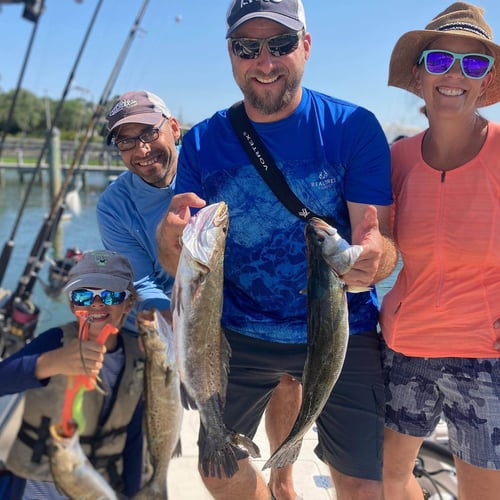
[[84, 297], [439, 62]]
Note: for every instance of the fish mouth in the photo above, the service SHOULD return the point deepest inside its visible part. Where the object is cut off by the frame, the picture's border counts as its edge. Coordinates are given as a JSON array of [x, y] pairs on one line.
[[203, 234], [57, 433], [316, 230], [220, 213], [321, 225], [147, 317], [215, 214]]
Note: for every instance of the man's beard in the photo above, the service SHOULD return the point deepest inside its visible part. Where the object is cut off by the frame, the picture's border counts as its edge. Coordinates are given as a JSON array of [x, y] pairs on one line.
[[268, 104]]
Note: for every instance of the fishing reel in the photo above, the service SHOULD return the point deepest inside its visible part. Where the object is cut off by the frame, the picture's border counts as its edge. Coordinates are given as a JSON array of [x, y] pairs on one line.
[[18, 324], [24, 319], [58, 274]]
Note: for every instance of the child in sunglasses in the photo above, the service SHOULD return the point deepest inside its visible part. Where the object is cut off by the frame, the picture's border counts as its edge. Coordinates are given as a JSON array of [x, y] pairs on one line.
[[101, 293], [441, 321]]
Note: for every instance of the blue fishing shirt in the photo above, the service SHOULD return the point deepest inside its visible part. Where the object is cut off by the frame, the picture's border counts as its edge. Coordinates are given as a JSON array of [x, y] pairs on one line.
[[330, 151]]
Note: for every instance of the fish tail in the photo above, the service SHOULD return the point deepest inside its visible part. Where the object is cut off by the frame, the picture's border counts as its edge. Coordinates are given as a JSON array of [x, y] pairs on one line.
[[217, 460], [286, 454]]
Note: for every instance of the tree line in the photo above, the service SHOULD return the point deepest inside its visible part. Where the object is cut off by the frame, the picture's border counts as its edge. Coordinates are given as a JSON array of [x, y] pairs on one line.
[[34, 115]]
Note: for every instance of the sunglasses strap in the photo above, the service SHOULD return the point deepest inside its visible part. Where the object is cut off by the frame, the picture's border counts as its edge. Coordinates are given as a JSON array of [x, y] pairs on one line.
[[265, 165]]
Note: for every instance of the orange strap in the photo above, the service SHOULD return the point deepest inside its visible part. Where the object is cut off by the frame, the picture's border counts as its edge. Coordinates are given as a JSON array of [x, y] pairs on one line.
[[78, 384]]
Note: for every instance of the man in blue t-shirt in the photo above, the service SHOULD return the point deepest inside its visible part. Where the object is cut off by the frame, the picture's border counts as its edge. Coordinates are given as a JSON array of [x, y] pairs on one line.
[[335, 158]]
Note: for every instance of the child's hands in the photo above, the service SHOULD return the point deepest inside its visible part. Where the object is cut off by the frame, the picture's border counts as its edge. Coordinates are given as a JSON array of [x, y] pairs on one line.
[[74, 358]]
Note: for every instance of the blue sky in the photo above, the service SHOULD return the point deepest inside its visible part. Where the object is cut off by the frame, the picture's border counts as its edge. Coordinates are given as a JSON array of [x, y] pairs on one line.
[[180, 53]]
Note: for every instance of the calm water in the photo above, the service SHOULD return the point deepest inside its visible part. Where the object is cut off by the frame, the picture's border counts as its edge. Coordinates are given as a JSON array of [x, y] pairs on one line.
[[76, 231]]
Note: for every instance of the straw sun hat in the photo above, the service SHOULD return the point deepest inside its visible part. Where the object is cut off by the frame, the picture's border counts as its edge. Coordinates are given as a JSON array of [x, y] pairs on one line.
[[459, 19]]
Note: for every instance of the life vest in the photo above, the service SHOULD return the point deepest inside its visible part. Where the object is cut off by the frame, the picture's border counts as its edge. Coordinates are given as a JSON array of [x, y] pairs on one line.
[[103, 444]]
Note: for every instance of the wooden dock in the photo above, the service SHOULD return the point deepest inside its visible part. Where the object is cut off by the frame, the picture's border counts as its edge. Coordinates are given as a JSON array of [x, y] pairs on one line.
[[25, 170], [28, 168], [311, 476]]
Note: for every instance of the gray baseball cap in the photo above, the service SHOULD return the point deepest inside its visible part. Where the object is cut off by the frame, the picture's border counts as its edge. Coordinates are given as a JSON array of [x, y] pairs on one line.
[[101, 269], [136, 106]]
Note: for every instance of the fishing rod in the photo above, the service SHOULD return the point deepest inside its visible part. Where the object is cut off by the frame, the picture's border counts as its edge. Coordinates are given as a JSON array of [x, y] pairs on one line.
[[105, 95], [9, 245], [42, 241], [45, 230], [19, 83], [30, 280], [29, 277]]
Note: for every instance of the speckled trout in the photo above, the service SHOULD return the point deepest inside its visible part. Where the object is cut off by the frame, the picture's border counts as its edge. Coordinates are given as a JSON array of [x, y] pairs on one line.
[[328, 257], [163, 408], [202, 350], [72, 471]]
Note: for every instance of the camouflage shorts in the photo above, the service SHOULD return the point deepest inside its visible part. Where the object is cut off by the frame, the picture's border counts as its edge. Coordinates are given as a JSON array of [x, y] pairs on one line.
[[465, 391]]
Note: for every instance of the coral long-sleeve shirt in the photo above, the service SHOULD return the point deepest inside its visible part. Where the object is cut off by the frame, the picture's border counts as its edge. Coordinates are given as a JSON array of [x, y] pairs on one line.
[[447, 227]]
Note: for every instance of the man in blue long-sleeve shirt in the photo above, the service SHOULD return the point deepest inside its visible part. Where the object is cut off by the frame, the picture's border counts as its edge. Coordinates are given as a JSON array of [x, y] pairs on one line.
[[129, 210]]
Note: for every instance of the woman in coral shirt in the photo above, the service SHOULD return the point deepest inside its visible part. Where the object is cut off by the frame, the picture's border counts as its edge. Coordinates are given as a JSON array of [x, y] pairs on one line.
[[441, 320]]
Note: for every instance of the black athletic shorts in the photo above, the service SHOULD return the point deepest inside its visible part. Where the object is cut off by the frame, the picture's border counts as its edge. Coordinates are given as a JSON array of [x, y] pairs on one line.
[[351, 426]]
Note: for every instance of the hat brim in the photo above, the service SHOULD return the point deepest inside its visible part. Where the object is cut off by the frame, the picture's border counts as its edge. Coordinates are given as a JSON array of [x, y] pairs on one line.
[[411, 45], [94, 280], [143, 118], [286, 21]]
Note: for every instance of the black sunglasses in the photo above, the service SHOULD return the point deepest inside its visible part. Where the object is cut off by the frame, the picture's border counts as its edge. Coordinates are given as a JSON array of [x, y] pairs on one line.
[[278, 45]]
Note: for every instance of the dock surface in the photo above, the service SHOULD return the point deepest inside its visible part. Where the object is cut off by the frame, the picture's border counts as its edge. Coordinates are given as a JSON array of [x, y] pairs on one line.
[[311, 476]]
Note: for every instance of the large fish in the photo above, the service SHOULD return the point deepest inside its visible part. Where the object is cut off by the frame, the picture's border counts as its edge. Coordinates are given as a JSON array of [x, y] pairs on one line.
[[201, 348], [163, 408], [328, 257], [72, 471]]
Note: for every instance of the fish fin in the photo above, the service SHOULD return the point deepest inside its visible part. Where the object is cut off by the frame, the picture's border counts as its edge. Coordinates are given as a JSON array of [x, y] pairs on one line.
[[187, 401], [225, 355], [286, 454], [178, 449], [244, 443]]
